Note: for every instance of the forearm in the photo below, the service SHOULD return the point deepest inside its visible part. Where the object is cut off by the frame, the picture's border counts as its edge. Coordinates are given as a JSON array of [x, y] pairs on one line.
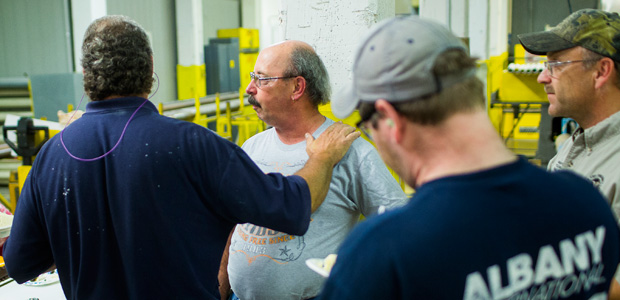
[[2, 240], [614, 290], [318, 175], [222, 275]]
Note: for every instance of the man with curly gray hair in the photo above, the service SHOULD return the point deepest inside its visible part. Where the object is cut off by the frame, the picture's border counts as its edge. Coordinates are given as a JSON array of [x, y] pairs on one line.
[[110, 59], [288, 85], [129, 204]]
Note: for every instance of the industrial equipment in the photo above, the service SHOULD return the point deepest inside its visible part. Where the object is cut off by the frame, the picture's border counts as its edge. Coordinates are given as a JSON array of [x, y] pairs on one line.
[[245, 122], [53, 92], [248, 50], [222, 65], [518, 107], [30, 139]]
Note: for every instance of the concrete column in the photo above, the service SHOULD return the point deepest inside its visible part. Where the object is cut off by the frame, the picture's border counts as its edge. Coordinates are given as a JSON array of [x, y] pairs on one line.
[[438, 10], [459, 23], [190, 41], [479, 28], [191, 75], [84, 12], [499, 26], [333, 28], [269, 20]]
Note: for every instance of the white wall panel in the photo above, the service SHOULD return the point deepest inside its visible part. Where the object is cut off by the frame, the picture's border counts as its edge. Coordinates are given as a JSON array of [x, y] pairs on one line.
[[158, 19]]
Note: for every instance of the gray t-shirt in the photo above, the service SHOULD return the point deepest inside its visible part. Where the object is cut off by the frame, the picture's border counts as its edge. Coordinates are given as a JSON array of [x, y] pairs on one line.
[[267, 264]]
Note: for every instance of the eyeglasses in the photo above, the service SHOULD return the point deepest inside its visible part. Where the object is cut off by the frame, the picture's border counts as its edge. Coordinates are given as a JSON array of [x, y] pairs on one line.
[[361, 125], [371, 116], [260, 81], [549, 65]]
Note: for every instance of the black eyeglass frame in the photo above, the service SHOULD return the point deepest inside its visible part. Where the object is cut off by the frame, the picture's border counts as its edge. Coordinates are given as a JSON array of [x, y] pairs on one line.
[[371, 115]]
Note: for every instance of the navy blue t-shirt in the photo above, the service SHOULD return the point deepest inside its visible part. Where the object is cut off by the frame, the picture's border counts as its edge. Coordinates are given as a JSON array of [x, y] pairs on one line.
[[151, 219], [511, 232]]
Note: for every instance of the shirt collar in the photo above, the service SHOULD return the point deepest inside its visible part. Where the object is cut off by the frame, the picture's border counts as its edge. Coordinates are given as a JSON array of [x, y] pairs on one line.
[[118, 104], [602, 131]]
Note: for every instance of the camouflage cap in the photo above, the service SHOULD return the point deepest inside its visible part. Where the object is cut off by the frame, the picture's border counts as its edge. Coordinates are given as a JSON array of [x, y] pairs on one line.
[[595, 30]]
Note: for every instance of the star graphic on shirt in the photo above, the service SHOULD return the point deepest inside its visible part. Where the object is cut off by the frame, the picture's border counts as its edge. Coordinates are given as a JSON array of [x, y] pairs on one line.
[[284, 251]]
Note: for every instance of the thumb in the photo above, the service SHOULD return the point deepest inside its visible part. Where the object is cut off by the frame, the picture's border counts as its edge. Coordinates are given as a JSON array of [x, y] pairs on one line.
[[309, 138]]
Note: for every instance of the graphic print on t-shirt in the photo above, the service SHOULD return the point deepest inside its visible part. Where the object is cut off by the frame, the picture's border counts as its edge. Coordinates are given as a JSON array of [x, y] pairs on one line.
[[573, 267], [256, 242], [260, 243]]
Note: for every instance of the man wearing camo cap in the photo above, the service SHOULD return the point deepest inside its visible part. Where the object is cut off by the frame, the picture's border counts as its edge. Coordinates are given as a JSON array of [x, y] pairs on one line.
[[582, 82]]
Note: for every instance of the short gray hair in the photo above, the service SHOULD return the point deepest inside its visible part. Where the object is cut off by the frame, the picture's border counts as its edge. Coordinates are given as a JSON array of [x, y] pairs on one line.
[[306, 63], [117, 58]]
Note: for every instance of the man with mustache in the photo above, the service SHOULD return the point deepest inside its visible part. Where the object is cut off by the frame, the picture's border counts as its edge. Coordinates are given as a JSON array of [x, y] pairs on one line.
[[289, 83], [582, 82], [148, 219]]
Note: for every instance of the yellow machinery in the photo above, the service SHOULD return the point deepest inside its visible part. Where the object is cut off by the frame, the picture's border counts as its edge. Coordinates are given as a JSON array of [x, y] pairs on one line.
[[516, 102], [245, 119], [248, 51], [30, 139], [191, 81]]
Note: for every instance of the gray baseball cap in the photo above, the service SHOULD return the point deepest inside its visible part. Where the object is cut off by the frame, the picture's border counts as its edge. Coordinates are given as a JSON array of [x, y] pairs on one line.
[[395, 62]]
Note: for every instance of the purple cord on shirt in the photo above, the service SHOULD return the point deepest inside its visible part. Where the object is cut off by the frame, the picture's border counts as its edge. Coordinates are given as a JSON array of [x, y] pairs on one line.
[[119, 139]]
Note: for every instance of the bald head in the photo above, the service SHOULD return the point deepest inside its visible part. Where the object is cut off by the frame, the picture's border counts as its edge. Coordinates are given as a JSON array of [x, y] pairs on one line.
[[288, 46], [303, 61]]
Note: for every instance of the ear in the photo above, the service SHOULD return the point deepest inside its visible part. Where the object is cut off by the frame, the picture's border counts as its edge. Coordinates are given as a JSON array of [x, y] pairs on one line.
[[300, 87], [604, 72], [394, 122]]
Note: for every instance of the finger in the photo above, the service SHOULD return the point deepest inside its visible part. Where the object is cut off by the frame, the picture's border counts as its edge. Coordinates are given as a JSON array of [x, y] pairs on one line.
[[340, 128], [350, 129], [353, 135], [309, 139], [345, 129]]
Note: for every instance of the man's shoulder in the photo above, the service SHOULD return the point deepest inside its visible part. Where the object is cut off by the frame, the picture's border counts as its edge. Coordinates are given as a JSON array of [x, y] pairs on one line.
[[362, 147]]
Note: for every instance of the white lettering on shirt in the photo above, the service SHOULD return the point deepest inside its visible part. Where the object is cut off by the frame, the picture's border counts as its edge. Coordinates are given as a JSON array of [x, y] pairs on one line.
[[576, 267]]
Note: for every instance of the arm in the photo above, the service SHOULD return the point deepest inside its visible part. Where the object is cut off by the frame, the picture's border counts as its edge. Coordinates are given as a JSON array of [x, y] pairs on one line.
[[614, 290], [27, 252], [222, 276], [2, 240], [323, 154]]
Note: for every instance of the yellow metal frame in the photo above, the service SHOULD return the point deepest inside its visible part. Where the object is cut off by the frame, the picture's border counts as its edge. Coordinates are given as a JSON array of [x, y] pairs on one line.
[[191, 81], [245, 119], [248, 50], [521, 90], [7, 203], [14, 188]]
